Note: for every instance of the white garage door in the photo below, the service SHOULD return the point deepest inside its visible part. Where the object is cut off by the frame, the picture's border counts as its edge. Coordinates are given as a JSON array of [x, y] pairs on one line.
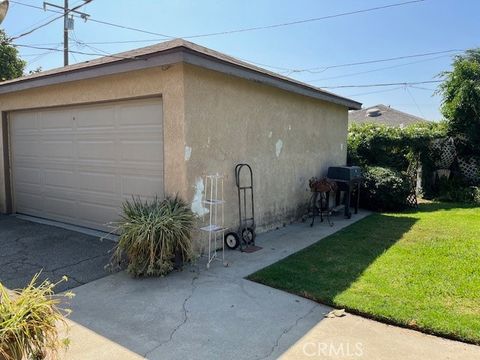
[[77, 164]]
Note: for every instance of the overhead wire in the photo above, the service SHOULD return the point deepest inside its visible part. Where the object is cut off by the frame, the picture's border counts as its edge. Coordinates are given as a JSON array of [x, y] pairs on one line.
[[381, 84], [78, 52], [240, 30], [414, 101], [379, 69], [68, 11], [272, 26]]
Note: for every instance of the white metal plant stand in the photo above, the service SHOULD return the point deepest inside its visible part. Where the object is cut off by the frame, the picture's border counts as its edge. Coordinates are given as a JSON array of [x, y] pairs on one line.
[[215, 229]]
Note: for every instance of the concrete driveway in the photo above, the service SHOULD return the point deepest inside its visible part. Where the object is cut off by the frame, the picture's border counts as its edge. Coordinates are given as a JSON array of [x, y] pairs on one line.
[[27, 247], [218, 314]]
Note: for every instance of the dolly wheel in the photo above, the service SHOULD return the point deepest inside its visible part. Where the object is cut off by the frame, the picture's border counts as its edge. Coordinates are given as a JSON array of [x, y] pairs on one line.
[[248, 236], [232, 241]]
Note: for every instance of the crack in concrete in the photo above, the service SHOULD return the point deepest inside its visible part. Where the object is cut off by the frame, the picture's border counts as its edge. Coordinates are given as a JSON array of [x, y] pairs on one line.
[[185, 316], [286, 331], [77, 263]]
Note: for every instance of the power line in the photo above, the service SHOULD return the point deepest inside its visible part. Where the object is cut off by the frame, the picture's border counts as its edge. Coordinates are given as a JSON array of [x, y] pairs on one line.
[[68, 11], [376, 92], [77, 52], [414, 101], [384, 84], [378, 69], [312, 70], [251, 28], [41, 56], [291, 70], [100, 21], [303, 21]]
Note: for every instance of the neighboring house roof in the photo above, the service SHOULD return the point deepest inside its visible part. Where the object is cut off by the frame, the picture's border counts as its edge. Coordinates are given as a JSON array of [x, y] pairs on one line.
[[381, 114], [167, 53]]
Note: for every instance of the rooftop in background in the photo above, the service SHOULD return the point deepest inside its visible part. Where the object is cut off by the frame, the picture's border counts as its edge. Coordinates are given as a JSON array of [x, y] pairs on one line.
[[382, 114], [166, 53]]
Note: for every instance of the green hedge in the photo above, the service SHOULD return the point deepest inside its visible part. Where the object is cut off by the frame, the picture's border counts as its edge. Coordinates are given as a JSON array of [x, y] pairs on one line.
[[393, 147]]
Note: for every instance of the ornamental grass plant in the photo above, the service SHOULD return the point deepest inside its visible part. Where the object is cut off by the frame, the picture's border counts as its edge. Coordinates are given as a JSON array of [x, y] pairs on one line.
[[152, 234], [29, 320]]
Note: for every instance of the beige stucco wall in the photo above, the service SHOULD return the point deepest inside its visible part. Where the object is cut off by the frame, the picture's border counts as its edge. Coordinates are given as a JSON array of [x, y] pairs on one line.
[[286, 138], [166, 82], [212, 122]]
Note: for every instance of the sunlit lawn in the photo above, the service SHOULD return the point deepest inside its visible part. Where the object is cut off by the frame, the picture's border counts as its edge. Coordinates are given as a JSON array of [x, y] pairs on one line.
[[419, 269]]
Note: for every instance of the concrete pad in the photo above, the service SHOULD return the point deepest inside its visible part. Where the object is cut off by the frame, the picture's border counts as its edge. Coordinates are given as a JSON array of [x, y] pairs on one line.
[[89, 345], [28, 247], [217, 314], [354, 337]]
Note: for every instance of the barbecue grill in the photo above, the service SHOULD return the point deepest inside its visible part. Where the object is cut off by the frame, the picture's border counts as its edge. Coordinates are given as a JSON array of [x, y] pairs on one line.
[[348, 179]]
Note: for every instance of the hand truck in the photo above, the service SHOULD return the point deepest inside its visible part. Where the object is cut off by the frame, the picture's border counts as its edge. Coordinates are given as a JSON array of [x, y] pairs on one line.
[[245, 235]]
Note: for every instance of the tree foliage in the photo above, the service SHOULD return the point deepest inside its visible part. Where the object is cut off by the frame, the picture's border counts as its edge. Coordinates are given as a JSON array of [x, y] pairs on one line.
[[11, 66], [461, 102]]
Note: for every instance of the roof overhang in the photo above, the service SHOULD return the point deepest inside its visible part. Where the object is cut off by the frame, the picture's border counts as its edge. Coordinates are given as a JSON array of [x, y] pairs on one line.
[[168, 56]]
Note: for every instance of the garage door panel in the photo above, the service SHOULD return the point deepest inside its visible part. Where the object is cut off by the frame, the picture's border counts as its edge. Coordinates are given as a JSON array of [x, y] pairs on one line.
[[28, 175], [128, 114], [61, 179], [96, 150], [28, 148], [55, 120], [79, 164], [96, 182], [27, 123], [57, 149], [29, 201], [97, 213], [141, 185], [60, 207], [142, 151], [95, 119]]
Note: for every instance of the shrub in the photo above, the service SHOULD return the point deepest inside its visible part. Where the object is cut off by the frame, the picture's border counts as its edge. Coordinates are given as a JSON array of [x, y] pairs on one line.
[[29, 319], [152, 233], [456, 190], [384, 189]]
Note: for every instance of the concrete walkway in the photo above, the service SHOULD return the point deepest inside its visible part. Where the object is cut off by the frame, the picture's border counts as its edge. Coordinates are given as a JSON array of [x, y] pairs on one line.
[[217, 314]]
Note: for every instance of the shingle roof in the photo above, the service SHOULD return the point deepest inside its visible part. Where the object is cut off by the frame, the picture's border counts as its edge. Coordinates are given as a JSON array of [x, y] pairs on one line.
[[133, 60], [387, 116]]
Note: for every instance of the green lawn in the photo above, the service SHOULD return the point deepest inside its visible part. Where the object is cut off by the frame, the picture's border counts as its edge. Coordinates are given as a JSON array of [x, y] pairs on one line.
[[419, 269]]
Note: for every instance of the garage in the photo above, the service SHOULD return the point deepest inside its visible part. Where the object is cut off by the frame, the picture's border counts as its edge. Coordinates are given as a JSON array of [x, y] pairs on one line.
[[77, 164], [78, 140]]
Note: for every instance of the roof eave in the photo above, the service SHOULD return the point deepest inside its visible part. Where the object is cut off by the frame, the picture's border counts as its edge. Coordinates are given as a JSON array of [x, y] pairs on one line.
[[172, 56]]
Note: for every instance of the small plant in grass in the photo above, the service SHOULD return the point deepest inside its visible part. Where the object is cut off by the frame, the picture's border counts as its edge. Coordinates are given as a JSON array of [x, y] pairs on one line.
[[152, 234], [29, 320]]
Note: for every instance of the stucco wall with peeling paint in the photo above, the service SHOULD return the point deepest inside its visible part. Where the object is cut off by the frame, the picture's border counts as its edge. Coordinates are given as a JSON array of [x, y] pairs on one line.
[[212, 122], [286, 138]]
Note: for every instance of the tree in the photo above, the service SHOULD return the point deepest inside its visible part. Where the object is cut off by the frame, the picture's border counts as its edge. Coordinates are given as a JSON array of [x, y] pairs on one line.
[[11, 66], [461, 102]]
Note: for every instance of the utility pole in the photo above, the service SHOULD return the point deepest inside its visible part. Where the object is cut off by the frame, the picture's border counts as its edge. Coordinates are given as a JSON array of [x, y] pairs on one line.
[[68, 23], [65, 34]]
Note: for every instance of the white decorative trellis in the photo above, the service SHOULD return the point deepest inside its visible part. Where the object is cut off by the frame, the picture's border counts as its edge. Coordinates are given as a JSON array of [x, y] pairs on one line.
[[469, 169], [447, 152]]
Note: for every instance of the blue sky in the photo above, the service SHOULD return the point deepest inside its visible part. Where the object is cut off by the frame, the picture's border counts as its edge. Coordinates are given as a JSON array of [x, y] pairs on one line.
[[429, 26]]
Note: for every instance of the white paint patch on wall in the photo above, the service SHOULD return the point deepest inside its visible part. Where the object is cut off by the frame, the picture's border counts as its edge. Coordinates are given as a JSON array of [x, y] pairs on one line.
[[270, 134], [278, 147], [197, 205], [188, 152]]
